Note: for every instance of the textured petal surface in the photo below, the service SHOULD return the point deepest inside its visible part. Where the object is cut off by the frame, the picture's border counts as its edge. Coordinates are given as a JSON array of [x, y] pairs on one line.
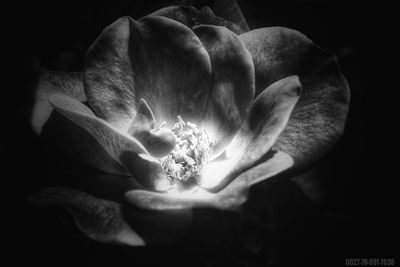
[[155, 58], [319, 117], [233, 83], [51, 82], [120, 147], [99, 219], [231, 197]]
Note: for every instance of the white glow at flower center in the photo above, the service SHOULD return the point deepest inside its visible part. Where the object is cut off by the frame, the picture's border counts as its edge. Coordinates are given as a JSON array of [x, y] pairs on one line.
[[193, 149]]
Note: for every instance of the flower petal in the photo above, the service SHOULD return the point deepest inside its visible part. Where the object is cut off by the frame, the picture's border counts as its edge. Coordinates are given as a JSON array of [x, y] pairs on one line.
[[318, 119], [231, 197], [99, 219], [155, 58], [233, 83], [50, 82], [121, 148], [267, 118]]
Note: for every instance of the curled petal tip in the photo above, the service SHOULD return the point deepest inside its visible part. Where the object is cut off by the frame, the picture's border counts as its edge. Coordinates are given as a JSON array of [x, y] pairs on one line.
[[158, 143]]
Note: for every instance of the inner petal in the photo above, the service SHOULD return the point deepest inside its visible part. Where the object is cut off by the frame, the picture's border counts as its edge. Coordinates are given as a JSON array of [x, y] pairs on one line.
[[183, 166]]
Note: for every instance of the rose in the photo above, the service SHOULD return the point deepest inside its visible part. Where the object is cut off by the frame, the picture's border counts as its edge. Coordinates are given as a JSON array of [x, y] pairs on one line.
[[239, 86]]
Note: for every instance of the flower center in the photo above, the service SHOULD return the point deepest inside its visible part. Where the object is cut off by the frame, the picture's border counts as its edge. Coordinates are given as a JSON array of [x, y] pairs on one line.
[[192, 150]]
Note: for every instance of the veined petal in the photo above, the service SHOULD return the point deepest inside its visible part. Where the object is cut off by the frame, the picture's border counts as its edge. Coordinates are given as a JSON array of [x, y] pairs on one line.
[[99, 219], [318, 119], [233, 83], [101, 136], [157, 59], [51, 82]]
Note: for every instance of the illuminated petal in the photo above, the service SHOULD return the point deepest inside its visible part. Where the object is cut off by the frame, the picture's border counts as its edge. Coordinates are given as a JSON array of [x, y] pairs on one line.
[[99, 219], [164, 201], [99, 136], [231, 197], [51, 82], [155, 58], [267, 118], [233, 83], [319, 117]]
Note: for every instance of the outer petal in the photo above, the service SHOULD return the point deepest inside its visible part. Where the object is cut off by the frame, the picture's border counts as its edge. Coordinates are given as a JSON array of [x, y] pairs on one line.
[[100, 136], [155, 58], [99, 219], [319, 117], [233, 83], [51, 82]]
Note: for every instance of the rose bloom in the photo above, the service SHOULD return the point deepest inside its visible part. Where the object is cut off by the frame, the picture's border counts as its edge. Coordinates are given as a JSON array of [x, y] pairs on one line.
[[179, 110]]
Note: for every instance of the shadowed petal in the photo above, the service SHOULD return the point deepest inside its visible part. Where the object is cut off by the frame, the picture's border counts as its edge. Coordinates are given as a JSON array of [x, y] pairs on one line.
[[231, 197], [233, 83], [99, 219], [51, 82], [319, 117], [142, 166], [155, 58]]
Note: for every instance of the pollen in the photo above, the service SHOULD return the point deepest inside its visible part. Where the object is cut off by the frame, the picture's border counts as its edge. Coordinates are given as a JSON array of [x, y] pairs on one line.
[[190, 154]]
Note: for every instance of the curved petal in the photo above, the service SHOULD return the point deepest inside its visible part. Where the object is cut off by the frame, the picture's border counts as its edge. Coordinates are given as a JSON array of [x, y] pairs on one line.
[[99, 134], [319, 117], [233, 83], [155, 58], [267, 119], [50, 82], [99, 219], [231, 197]]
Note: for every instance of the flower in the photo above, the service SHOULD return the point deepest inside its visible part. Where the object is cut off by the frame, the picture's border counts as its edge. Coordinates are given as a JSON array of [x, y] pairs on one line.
[[269, 99]]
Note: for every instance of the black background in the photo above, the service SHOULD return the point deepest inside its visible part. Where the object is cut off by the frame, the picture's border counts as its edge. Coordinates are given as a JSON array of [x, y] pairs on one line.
[[355, 218]]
